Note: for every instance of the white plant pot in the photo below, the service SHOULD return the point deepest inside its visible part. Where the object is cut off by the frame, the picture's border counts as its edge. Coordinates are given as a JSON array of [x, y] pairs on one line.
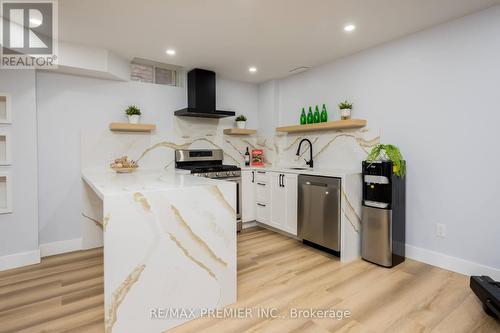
[[345, 114], [134, 119], [241, 124]]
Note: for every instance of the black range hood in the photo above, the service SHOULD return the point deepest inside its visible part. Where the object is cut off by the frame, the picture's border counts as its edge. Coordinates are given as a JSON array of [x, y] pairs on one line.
[[201, 96]]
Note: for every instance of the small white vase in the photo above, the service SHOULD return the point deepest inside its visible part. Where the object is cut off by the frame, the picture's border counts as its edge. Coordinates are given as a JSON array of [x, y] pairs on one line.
[[345, 114], [134, 119], [241, 124]]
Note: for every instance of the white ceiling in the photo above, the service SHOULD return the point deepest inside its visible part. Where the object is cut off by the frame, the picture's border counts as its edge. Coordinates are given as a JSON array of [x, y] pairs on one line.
[[228, 36]]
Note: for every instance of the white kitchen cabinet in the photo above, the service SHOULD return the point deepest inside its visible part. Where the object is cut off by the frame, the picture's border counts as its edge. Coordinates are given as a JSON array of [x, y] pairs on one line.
[[263, 212], [290, 186], [262, 196], [271, 199], [277, 200], [248, 203], [283, 202], [261, 176]]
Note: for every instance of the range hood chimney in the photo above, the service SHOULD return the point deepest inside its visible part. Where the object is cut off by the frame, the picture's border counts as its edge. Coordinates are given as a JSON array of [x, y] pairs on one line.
[[201, 96]]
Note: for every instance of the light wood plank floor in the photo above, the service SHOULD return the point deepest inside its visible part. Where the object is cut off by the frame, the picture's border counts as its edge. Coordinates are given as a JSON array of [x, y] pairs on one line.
[[65, 294]]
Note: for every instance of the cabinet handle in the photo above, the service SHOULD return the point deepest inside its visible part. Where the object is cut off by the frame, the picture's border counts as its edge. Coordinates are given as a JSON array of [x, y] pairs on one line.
[[262, 205], [261, 172], [253, 176], [261, 184], [283, 181]]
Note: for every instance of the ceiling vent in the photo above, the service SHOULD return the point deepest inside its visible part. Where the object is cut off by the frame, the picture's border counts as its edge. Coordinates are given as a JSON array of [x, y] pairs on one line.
[[299, 69]]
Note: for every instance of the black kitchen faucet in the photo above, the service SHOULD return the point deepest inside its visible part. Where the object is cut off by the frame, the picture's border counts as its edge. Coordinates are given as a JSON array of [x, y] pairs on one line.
[[310, 163]]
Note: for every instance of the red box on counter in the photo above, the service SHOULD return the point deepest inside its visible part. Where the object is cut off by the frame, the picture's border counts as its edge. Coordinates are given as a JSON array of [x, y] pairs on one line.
[[257, 157]]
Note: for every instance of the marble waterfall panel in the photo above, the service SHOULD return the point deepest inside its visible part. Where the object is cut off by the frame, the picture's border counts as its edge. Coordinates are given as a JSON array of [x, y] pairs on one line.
[[350, 218], [166, 250], [92, 220]]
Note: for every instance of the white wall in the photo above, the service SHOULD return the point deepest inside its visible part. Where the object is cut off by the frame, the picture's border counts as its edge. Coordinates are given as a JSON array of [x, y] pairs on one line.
[[268, 106], [68, 104], [19, 230], [435, 95]]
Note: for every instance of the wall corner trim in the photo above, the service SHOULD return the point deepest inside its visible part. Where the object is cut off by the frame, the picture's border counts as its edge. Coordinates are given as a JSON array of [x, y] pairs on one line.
[[19, 259], [451, 263], [70, 245]]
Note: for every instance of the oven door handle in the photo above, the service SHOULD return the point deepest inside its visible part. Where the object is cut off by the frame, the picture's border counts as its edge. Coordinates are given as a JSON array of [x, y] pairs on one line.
[[230, 179]]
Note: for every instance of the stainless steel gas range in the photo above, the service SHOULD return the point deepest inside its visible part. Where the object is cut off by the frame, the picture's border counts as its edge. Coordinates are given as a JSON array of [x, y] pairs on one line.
[[208, 163]]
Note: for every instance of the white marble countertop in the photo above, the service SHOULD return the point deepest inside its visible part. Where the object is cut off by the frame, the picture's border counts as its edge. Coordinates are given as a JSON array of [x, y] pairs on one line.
[[109, 182], [314, 171]]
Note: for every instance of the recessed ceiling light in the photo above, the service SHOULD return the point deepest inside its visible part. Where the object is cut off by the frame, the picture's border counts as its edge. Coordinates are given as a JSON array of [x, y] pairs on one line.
[[349, 28], [171, 52], [252, 69]]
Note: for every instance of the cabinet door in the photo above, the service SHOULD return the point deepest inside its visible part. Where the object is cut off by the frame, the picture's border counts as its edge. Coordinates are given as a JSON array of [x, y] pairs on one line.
[[290, 195], [262, 213], [277, 201], [248, 195]]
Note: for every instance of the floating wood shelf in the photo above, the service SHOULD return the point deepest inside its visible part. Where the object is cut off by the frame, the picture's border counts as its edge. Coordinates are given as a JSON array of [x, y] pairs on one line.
[[126, 127], [331, 125], [239, 131]]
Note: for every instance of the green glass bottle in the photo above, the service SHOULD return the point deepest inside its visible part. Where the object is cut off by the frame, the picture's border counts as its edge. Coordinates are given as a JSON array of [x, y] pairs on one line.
[[324, 114], [317, 116], [310, 117], [303, 117]]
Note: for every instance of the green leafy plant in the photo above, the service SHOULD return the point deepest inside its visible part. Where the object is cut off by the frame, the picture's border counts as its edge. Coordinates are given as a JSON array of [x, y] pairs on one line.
[[241, 118], [133, 110], [391, 153], [345, 105]]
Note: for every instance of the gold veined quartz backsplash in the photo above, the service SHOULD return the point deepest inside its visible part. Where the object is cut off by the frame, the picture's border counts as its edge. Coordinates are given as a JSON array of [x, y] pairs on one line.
[[332, 149]]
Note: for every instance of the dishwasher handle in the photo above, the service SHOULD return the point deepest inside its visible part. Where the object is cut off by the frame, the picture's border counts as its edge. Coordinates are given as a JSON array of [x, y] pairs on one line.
[[316, 184]]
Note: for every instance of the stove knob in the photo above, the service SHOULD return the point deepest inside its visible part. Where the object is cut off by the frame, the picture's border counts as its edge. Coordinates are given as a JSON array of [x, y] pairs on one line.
[[206, 175], [216, 174], [234, 173], [228, 173]]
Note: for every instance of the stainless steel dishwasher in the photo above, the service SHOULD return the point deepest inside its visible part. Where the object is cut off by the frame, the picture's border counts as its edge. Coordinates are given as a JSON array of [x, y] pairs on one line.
[[319, 211]]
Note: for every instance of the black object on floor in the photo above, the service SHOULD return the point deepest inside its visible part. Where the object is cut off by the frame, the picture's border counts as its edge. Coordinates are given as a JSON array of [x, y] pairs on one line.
[[488, 292]]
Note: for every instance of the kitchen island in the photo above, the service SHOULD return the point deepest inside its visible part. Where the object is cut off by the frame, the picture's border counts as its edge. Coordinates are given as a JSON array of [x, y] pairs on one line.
[[169, 246]]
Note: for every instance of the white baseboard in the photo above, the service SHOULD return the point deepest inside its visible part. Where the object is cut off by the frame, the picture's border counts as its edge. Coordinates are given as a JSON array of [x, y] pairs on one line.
[[451, 263], [19, 259], [70, 245], [250, 224]]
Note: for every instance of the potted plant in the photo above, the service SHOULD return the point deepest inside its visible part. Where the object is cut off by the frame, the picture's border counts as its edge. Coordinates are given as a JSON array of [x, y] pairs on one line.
[[133, 113], [390, 153], [241, 122], [345, 110]]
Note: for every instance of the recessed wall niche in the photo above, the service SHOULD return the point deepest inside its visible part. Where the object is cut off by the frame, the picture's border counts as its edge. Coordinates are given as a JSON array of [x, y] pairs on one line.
[[5, 147], [5, 108], [5, 153], [5, 193]]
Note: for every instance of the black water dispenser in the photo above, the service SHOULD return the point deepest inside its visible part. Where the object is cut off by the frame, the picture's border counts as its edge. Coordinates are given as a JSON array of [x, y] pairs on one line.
[[383, 215]]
